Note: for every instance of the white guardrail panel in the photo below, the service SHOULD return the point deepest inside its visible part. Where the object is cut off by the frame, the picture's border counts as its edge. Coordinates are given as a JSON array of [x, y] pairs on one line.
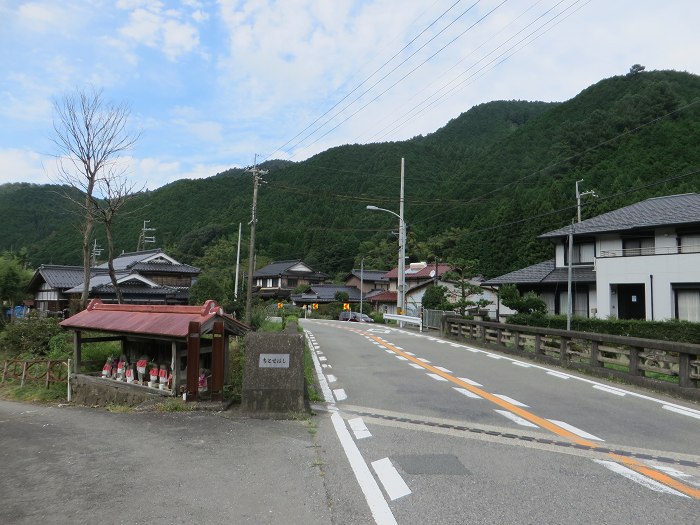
[[406, 319]]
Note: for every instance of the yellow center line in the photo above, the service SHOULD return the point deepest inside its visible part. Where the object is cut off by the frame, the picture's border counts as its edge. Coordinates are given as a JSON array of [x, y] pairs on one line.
[[631, 463]]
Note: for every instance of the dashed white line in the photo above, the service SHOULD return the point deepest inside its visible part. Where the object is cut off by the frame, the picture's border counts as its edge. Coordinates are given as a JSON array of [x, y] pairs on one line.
[[559, 375], [357, 425], [511, 401], [638, 478], [467, 393], [683, 411], [331, 378], [401, 358], [469, 381], [575, 430], [437, 377], [340, 394], [524, 365], [494, 356], [373, 494], [517, 419], [443, 369], [416, 365], [393, 483], [423, 359], [610, 390]]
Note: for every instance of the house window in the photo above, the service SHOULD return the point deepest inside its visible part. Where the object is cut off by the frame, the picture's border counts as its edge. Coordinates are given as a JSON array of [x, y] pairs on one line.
[[259, 282], [583, 253], [272, 283], [292, 283], [688, 304], [689, 243], [638, 246]]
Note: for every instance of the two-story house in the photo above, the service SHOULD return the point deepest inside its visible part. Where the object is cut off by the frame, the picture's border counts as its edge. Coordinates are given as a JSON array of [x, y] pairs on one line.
[[144, 277], [637, 262], [280, 278]]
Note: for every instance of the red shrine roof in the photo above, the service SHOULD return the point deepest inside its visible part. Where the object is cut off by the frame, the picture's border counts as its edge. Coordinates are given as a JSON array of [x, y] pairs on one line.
[[152, 320]]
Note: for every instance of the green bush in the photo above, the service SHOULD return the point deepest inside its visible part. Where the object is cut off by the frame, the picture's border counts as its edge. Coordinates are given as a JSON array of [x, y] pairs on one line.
[[673, 330], [31, 337]]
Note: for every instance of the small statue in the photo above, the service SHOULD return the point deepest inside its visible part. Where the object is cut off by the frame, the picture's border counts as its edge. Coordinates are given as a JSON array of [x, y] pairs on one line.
[[107, 369], [141, 365], [129, 373], [153, 373], [203, 383], [163, 376]]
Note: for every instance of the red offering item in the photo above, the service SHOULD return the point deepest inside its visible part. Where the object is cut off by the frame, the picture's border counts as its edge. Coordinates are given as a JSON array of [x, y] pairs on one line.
[[107, 370]]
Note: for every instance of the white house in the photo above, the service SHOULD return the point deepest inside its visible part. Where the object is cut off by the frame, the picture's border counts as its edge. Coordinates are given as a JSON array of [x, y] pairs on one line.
[[637, 262]]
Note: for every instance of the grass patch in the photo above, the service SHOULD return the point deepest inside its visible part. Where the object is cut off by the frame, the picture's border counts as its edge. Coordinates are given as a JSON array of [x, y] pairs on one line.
[[33, 393], [119, 409], [310, 376]]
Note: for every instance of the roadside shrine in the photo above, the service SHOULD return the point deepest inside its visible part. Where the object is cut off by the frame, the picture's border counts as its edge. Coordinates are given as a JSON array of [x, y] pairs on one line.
[[159, 344]]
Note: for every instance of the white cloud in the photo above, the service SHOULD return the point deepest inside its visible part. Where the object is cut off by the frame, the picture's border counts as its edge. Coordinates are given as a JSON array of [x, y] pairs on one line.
[[24, 165]]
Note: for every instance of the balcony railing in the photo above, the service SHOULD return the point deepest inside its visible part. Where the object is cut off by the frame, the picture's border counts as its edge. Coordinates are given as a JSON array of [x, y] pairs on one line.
[[661, 250]]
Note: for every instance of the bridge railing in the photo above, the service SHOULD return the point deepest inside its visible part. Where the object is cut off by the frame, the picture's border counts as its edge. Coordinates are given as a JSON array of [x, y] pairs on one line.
[[670, 366]]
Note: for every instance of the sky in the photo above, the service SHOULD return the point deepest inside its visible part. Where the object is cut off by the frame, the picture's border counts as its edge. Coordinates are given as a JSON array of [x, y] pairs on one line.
[[217, 84]]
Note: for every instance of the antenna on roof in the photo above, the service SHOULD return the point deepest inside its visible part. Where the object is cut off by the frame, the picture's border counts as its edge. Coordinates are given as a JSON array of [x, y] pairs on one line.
[[144, 238], [96, 252]]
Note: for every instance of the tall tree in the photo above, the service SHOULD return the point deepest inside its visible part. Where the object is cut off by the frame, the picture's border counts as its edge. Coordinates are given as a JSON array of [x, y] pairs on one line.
[[91, 135]]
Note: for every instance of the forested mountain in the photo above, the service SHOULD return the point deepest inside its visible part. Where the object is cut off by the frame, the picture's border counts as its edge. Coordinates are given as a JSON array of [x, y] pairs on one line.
[[482, 187]]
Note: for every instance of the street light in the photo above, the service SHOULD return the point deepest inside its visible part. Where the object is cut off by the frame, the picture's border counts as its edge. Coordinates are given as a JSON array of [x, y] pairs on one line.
[[402, 257]]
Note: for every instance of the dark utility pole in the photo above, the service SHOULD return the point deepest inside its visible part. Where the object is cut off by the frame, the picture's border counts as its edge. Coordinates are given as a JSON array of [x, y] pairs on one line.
[[257, 178]]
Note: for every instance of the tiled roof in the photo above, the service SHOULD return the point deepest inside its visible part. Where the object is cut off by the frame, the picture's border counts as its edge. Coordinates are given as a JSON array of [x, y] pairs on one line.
[[424, 273], [544, 272], [152, 267], [160, 320], [278, 268], [368, 275], [384, 297], [125, 260], [325, 293], [659, 211], [57, 276]]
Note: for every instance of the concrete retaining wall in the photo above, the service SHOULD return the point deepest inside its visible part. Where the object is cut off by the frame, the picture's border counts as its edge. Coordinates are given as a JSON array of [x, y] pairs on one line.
[[96, 391]]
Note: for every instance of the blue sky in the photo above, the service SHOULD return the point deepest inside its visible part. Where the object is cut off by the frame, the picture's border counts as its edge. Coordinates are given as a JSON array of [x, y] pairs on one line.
[[211, 83]]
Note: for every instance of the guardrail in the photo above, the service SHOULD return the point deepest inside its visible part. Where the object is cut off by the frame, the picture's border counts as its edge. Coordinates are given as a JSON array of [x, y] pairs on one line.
[[405, 319], [664, 365], [46, 371]]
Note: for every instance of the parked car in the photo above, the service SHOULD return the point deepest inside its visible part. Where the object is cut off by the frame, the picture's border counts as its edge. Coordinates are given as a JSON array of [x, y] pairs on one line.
[[355, 317]]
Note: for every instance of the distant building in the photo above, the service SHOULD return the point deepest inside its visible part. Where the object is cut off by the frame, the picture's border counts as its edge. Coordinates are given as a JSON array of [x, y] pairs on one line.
[[280, 278], [145, 277], [637, 262]]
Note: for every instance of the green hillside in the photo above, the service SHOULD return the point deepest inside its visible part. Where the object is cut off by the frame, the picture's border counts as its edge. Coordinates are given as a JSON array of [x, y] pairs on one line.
[[482, 187]]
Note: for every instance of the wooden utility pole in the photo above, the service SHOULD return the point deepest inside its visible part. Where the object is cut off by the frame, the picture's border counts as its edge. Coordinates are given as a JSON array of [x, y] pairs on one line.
[[257, 178]]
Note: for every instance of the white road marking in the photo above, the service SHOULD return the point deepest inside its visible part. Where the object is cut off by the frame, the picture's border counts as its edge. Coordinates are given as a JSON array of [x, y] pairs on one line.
[[373, 494], [437, 377], [410, 353], [325, 389], [469, 381], [472, 350], [416, 365], [575, 430], [359, 428], [610, 390], [443, 369], [423, 359], [323, 358], [393, 483], [638, 478], [389, 351], [331, 378], [524, 365], [340, 394], [326, 366], [684, 411], [671, 471], [494, 356], [511, 401], [402, 358], [467, 393], [559, 375], [516, 419]]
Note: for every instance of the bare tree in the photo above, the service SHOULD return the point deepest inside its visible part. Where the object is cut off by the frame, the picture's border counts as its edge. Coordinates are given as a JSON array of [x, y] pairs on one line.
[[91, 134], [115, 192]]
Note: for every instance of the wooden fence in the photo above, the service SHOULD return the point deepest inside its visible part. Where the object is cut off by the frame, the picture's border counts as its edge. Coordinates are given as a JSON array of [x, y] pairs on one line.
[[665, 365], [38, 371]]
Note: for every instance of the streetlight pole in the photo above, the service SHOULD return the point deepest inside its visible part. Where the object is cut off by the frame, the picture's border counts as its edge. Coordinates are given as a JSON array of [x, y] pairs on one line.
[[402, 256]]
